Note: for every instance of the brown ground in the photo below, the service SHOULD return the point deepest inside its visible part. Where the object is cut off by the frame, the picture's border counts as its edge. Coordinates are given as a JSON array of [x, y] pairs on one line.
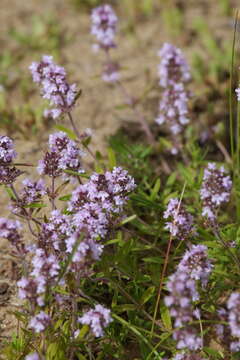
[[96, 108]]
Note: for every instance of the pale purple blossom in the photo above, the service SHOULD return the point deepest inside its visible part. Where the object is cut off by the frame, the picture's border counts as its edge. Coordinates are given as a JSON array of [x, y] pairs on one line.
[[32, 356], [181, 224], [7, 152], [40, 322], [188, 356], [97, 318], [64, 155], [233, 305], [9, 229], [174, 73], [238, 94], [196, 263], [215, 190], [104, 23], [54, 86], [32, 289]]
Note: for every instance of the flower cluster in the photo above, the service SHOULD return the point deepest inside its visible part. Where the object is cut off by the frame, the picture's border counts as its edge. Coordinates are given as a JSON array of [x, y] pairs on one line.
[[196, 263], [45, 269], [54, 86], [8, 172], [9, 229], [94, 206], [32, 356], [40, 322], [7, 152], [30, 194], [63, 154], [173, 72], [97, 318], [104, 23], [233, 305], [215, 190], [181, 224], [182, 287]]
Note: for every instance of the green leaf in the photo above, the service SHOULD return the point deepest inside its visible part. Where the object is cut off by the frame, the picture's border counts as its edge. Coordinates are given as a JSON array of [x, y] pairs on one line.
[[166, 318], [35, 205], [10, 193], [69, 132], [155, 190], [111, 158], [147, 295], [153, 259]]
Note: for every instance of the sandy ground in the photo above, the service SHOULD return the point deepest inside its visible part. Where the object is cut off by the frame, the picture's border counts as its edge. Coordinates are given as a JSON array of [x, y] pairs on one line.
[[97, 107]]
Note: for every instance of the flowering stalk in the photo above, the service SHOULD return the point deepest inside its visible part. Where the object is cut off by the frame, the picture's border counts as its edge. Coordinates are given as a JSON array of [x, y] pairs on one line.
[[104, 26], [174, 74]]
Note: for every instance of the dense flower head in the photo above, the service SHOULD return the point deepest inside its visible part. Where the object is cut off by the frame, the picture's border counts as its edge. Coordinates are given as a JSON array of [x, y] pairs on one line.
[[40, 322], [173, 73], [181, 224], [233, 305], [64, 154], [54, 86], [54, 232], [215, 190], [97, 318], [8, 174], [45, 265], [182, 287], [188, 338], [88, 251], [95, 202], [9, 229], [196, 263], [7, 152], [32, 289], [173, 108], [31, 192], [182, 292], [104, 22], [173, 67]]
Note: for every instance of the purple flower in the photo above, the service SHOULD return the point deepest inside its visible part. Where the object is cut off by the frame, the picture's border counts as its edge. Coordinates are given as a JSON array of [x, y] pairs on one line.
[[174, 73], [32, 356], [45, 265], [215, 190], [238, 94], [32, 290], [196, 263], [173, 67], [54, 86], [9, 229], [97, 318], [181, 224], [183, 292], [104, 22], [40, 322], [7, 152], [64, 154], [188, 356], [55, 231], [233, 305], [32, 192]]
